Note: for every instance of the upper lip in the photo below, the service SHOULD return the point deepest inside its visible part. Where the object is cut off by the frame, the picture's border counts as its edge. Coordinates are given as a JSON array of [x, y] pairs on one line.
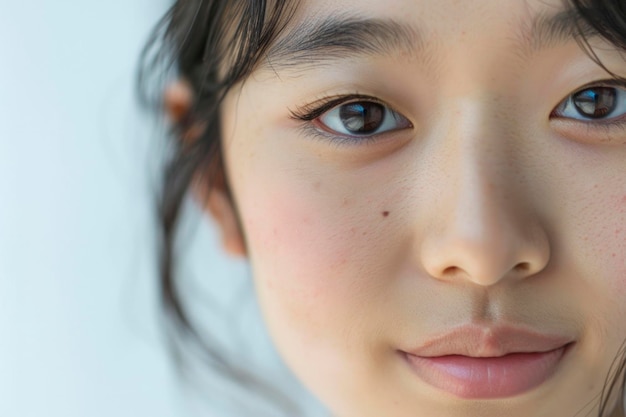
[[489, 341]]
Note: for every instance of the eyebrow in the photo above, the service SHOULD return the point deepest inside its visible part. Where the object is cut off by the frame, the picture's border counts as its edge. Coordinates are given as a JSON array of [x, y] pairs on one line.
[[548, 31], [318, 42], [340, 37]]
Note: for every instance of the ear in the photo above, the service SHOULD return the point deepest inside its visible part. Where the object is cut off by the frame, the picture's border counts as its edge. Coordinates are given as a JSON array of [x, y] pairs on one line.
[[177, 102], [223, 211]]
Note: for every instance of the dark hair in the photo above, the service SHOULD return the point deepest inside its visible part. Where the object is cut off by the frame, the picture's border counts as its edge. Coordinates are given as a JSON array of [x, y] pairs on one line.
[[212, 45], [215, 44]]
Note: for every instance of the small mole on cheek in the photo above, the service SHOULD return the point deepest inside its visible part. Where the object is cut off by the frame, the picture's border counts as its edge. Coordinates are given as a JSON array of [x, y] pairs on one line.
[[385, 214]]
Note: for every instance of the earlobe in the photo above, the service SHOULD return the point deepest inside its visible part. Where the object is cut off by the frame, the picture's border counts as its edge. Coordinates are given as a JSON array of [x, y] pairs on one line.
[[223, 212]]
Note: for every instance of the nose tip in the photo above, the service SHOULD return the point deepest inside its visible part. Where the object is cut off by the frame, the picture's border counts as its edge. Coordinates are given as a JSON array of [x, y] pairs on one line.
[[485, 259]]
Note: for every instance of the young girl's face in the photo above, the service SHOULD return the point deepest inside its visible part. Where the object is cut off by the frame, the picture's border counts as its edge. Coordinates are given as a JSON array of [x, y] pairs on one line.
[[426, 186]]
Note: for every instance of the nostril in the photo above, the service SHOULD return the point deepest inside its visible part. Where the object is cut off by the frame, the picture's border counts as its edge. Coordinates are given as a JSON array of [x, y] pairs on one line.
[[450, 271], [521, 268]]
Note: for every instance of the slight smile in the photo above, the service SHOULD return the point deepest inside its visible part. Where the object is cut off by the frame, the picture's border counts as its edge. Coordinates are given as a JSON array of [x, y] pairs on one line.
[[506, 362]]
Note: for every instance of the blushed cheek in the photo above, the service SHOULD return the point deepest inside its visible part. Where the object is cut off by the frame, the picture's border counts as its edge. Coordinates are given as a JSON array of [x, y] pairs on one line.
[[300, 245]]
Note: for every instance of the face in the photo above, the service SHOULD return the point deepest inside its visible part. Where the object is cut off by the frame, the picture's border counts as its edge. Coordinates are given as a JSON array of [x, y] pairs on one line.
[[434, 208]]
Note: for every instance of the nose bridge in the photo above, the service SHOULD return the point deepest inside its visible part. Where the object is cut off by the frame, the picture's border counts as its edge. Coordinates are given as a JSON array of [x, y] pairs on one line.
[[480, 229], [481, 175]]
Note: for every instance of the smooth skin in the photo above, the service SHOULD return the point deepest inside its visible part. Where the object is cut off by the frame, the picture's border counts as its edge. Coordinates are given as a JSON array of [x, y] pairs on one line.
[[486, 208]]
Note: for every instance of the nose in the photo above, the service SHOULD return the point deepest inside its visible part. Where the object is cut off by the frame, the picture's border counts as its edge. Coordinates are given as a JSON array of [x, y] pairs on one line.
[[483, 228]]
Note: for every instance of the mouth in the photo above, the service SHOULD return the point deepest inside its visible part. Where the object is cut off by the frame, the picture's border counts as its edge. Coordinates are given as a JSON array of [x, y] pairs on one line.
[[486, 363]]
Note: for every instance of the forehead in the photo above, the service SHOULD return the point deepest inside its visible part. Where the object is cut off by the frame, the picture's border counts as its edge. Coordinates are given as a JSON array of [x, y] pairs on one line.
[[449, 14]]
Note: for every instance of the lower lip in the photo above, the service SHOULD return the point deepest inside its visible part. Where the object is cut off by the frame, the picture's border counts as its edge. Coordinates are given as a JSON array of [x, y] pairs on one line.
[[483, 378]]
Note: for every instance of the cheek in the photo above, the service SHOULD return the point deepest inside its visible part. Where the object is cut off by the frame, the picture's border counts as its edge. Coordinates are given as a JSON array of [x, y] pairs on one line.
[[320, 241], [301, 243], [618, 253], [307, 247], [308, 253], [294, 245], [607, 243]]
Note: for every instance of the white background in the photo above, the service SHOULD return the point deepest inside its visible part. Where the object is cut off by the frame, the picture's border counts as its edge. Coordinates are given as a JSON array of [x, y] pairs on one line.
[[80, 330], [74, 216]]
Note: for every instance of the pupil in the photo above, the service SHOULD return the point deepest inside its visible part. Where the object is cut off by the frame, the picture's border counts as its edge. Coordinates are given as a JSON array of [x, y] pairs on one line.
[[362, 118], [595, 102]]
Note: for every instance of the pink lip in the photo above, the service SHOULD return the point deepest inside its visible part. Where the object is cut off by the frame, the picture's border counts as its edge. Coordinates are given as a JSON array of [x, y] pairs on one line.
[[476, 362]]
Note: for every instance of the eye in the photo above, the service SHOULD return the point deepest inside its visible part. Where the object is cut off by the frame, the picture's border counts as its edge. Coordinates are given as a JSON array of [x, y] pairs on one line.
[[363, 118], [593, 103]]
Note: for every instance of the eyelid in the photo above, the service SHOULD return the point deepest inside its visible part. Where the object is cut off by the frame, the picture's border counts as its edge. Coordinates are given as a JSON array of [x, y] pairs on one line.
[[316, 109], [609, 82]]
